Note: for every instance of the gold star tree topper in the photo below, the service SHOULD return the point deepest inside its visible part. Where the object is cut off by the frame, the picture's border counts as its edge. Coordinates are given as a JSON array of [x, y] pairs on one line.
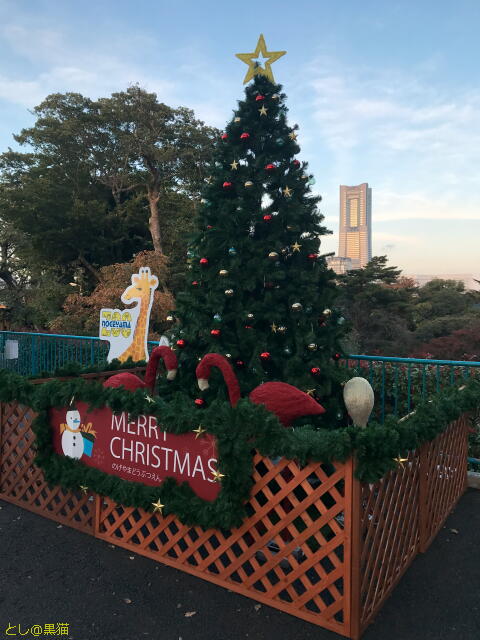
[[259, 62]]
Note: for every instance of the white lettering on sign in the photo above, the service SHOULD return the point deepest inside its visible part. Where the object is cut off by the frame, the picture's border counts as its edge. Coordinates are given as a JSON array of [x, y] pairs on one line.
[[154, 455]]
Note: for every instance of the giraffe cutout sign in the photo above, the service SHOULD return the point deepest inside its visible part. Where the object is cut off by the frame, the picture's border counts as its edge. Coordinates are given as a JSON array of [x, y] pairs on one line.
[[127, 329]]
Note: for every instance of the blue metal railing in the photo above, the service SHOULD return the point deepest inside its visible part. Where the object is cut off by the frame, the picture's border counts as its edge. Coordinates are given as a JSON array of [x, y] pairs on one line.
[[397, 382], [42, 352]]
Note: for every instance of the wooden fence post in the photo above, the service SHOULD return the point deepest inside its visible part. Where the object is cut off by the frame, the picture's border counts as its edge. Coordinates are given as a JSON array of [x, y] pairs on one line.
[[423, 515], [353, 496]]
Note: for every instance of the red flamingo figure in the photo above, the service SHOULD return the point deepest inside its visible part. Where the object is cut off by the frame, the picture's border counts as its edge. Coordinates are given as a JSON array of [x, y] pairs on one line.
[[284, 400], [131, 382]]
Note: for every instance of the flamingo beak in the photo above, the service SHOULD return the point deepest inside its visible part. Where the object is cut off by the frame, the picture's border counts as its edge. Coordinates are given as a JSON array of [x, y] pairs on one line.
[[202, 384], [171, 374]]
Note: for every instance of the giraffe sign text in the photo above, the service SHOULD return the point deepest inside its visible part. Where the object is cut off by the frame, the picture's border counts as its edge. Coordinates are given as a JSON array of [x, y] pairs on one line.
[[135, 449], [127, 330]]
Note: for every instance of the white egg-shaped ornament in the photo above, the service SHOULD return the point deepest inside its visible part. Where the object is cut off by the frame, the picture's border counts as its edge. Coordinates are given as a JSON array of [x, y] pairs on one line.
[[359, 399]]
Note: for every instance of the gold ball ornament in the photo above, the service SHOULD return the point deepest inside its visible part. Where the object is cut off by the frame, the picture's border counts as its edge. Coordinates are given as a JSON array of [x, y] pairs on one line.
[[228, 355], [282, 329], [312, 346], [223, 272], [237, 119], [248, 183], [229, 292], [250, 316], [296, 306], [273, 255], [327, 312], [276, 96], [169, 318]]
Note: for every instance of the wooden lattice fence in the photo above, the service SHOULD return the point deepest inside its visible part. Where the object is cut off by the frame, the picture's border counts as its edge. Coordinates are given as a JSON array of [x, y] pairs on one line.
[[316, 543]]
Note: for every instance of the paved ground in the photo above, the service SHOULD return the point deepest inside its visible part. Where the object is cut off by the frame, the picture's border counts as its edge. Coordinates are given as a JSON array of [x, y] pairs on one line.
[[51, 574]]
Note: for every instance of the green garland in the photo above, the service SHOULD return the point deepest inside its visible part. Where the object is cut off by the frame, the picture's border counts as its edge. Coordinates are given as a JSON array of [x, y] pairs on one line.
[[238, 431]]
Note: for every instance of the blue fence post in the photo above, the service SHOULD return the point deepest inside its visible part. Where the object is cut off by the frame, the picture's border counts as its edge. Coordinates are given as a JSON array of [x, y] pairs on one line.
[[33, 354]]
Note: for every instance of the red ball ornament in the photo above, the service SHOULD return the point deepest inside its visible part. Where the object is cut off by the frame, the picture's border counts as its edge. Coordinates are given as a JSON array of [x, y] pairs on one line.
[[337, 356], [270, 167], [315, 371], [204, 262], [267, 217], [180, 343], [195, 283], [259, 97], [244, 136], [265, 356], [224, 136], [312, 256], [199, 402], [247, 326], [296, 163], [215, 333], [209, 227], [227, 185]]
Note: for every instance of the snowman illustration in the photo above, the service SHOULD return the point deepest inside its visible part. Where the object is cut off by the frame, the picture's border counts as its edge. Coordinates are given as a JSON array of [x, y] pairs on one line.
[[72, 439]]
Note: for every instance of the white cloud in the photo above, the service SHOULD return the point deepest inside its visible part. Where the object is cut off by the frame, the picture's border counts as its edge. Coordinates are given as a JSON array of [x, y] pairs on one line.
[[415, 142]]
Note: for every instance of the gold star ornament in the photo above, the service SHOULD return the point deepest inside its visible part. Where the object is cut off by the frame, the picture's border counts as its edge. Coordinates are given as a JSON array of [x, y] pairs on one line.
[[199, 431], [273, 327], [400, 461], [234, 165], [296, 246], [263, 111], [158, 507], [217, 476], [292, 135], [259, 62], [84, 489], [287, 192]]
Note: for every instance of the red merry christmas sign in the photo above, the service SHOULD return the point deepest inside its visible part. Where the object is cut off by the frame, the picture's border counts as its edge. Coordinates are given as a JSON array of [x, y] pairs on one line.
[[137, 449]]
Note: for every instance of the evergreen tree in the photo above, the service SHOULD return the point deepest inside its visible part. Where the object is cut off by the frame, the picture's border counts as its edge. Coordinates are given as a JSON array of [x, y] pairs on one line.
[[258, 291]]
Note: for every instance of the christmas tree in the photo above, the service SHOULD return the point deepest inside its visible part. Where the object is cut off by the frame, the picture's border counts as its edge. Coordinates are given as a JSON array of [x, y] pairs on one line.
[[259, 292]]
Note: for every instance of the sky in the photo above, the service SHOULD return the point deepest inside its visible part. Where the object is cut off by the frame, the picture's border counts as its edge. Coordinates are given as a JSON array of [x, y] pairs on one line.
[[384, 92]]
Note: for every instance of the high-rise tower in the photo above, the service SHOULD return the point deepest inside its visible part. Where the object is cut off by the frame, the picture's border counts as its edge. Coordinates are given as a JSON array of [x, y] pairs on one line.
[[356, 224]]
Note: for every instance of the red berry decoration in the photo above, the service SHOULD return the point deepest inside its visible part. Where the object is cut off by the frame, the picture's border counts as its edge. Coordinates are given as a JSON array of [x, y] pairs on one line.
[[265, 356], [315, 371], [270, 167], [209, 227], [204, 262], [195, 283], [244, 136], [227, 185], [312, 256], [239, 363], [247, 326], [267, 217], [199, 402], [296, 163], [180, 343], [215, 333], [224, 136], [321, 322], [259, 97], [337, 356]]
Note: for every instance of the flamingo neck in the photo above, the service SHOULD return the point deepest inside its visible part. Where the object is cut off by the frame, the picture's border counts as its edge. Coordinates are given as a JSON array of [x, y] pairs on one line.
[[169, 358], [216, 360]]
